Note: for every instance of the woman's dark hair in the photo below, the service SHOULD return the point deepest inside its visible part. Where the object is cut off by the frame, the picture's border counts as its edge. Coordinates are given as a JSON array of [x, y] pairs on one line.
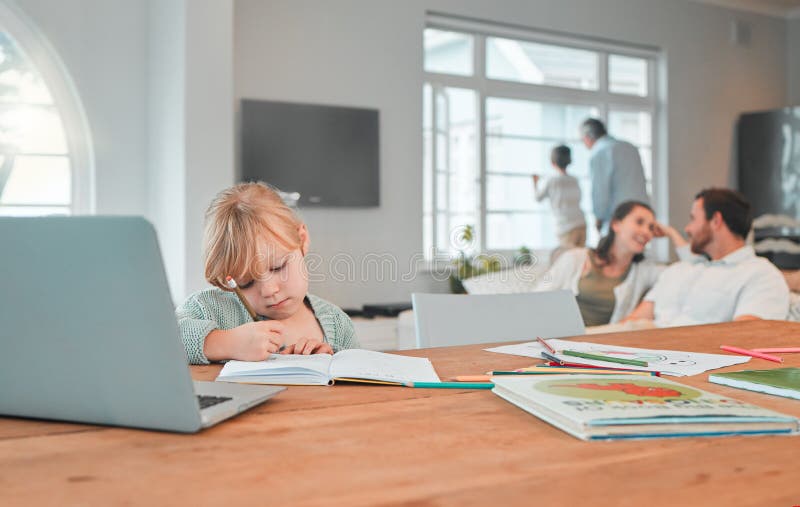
[[561, 156], [603, 250]]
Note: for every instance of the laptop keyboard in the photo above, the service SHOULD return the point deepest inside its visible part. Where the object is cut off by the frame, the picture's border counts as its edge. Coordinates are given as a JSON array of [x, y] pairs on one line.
[[210, 401]]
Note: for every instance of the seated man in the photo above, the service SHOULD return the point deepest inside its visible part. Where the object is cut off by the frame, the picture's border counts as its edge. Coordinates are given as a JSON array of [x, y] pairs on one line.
[[728, 283]]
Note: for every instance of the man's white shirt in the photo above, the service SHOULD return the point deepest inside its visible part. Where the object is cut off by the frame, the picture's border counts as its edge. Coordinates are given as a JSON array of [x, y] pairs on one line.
[[698, 291]]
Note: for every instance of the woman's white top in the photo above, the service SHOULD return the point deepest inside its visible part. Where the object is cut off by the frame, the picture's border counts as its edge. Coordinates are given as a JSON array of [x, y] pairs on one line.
[[568, 268]]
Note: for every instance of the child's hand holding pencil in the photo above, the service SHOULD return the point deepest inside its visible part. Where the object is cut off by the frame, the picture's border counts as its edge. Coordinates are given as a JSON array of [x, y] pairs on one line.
[[254, 341]]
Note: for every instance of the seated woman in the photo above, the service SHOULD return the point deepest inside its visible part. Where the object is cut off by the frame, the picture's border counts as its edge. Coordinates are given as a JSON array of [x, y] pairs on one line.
[[611, 280]]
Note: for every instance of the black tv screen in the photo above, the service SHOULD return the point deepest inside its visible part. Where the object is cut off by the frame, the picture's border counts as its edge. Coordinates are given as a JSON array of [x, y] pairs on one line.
[[328, 154], [769, 161]]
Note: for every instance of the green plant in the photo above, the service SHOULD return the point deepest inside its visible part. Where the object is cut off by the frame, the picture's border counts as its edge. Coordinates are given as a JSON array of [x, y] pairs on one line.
[[466, 265], [524, 257]]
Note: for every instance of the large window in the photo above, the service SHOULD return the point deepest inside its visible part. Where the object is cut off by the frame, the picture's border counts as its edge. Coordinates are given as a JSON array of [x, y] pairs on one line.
[[37, 156], [494, 106]]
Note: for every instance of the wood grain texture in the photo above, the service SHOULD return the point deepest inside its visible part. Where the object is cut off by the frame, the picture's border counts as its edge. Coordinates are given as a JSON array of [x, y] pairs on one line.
[[359, 445]]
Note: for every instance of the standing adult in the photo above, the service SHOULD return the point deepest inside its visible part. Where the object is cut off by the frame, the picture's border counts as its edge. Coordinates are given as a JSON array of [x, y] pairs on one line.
[[615, 169]]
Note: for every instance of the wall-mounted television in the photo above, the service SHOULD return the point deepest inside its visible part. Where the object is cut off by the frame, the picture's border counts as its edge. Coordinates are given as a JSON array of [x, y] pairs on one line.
[[328, 154], [768, 155], [769, 161]]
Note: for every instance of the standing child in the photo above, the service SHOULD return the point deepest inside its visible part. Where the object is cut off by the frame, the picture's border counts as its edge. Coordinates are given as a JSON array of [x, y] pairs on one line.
[[253, 238], [565, 200]]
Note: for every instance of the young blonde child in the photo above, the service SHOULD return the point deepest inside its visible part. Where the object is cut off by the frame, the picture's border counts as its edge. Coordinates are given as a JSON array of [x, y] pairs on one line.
[[254, 238]]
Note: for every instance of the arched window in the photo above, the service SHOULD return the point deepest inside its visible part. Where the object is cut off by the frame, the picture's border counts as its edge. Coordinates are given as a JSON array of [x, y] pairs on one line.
[[45, 148]]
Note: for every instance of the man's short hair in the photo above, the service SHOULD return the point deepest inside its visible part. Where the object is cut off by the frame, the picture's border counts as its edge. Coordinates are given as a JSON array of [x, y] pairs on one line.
[[732, 206], [593, 128], [561, 156]]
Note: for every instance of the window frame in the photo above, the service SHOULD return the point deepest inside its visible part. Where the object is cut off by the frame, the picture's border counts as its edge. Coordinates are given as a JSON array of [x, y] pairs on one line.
[[66, 102], [602, 99]]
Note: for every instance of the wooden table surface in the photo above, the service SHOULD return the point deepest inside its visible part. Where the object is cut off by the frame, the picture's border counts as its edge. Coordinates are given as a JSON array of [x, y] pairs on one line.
[[354, 445]]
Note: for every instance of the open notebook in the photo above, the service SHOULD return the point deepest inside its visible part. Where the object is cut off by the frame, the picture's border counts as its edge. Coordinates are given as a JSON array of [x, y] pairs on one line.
[[353, 365]]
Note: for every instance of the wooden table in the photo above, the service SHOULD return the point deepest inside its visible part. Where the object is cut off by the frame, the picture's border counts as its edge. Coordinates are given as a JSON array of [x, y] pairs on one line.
[[353, 445]]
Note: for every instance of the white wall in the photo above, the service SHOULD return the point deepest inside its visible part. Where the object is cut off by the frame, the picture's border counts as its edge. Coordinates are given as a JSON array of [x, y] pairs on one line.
[[209, 120], [166, 135], [362, 53], [103, 45], [156, 80], [190, 126], [369, 53]]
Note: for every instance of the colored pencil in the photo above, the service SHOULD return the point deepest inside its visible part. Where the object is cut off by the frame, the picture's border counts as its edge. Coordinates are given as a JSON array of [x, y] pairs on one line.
[[752, 353], [567, 369], [546, 345], [598, 357], [588, 371], [778, 350], [231, 283], [566, 364], [451, 385], [472, 378], [582, 366], [579, 369], [551, 357]]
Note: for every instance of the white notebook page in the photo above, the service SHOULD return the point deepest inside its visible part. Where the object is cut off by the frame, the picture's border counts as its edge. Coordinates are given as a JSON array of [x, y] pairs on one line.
[[368, 364]]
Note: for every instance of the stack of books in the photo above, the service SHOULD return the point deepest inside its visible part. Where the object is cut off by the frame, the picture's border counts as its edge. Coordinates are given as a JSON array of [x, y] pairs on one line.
[[612, 407], [778, 381]]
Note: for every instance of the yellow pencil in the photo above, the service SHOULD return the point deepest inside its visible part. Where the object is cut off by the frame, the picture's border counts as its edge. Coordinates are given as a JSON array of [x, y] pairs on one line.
[[473, 378]]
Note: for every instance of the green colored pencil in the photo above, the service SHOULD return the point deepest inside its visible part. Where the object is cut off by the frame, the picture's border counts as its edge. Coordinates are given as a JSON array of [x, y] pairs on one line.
[[452, 385], [609, 359]]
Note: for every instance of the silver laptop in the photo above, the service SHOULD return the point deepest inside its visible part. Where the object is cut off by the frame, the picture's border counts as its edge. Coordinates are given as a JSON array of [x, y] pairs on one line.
[[89, 331]]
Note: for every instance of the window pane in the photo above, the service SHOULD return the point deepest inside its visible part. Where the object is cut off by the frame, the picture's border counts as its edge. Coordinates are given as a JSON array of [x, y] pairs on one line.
[[442, 229], [441, 152], [512, 231], [448, 52], [647, 163], [632, 126], [586, 196], [544, 120], [31, 129], [458, 223], [36, 180], [19, 81], [427, 236], [427, 114], [449, 227], [512, 193], [457, 180], [580, 160], [627, 75], [521, 156], [531, 62], [441, 192], [427, 173], [535, 119]]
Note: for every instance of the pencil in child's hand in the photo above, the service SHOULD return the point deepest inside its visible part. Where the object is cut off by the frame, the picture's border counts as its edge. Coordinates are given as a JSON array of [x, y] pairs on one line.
[[231, 283]]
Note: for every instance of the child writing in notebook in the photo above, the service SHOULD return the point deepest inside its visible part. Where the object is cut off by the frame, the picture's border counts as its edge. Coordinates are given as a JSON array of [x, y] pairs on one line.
[[254, 249]]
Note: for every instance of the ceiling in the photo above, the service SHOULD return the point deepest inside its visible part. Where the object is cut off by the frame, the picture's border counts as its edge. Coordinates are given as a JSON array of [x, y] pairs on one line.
[[777, 8]]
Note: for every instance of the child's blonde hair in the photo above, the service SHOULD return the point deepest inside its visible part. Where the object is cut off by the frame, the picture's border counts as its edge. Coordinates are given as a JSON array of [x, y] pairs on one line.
[[235, 220]]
